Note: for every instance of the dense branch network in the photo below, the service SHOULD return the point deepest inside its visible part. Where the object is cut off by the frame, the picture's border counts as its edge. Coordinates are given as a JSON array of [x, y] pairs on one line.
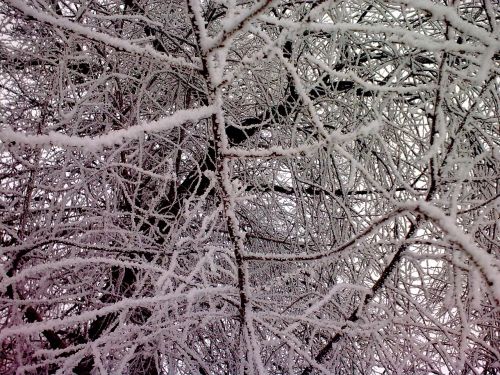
[[249, 187]]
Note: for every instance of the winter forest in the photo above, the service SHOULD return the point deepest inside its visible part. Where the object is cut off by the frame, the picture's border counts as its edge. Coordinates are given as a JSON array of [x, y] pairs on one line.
[[249, 187]]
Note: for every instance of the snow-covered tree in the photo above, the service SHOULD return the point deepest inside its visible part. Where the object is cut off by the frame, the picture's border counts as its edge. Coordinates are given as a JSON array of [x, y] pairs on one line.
[[249, 187]]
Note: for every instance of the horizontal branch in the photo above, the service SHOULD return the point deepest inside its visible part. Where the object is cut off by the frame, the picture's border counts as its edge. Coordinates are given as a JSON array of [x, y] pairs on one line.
[[325, 254], [112, 138], [313, 190]]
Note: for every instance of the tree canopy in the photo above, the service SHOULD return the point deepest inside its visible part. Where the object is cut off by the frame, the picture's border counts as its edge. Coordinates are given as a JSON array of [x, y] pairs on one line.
[[249, 187]]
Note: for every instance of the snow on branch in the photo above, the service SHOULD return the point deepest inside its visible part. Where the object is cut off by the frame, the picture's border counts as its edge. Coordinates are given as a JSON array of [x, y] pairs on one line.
[[112, 138], [485, 262], [118, 43]]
